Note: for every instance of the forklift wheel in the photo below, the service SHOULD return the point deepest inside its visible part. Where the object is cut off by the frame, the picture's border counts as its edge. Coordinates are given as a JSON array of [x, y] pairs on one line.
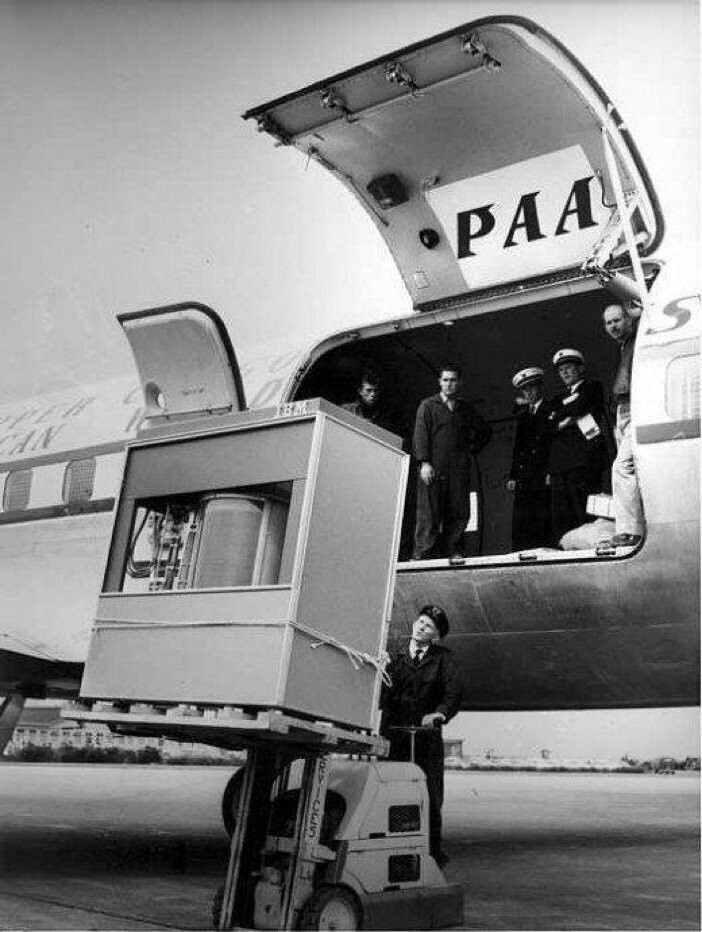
[[332, 907]]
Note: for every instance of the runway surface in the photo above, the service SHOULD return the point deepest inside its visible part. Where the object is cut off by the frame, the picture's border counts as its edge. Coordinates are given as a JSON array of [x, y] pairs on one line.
[[120, 847]]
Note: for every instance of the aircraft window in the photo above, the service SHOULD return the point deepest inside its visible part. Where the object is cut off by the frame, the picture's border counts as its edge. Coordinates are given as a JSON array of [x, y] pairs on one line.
[[222, 540], [78, 481], [17, 488], [682, 388]]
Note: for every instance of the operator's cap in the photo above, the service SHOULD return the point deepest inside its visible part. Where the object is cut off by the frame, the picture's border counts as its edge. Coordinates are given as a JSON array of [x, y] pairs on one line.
[[568, 355], [438, 616], [528, 376]]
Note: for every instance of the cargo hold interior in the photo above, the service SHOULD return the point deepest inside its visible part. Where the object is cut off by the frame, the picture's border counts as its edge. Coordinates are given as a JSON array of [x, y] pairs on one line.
[[489, 343]]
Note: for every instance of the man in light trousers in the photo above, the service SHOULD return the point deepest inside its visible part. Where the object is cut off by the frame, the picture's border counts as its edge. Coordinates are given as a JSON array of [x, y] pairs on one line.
[[626, 494]]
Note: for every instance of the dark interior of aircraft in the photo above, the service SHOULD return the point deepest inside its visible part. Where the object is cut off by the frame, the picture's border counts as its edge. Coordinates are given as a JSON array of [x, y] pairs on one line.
[[490, 348]]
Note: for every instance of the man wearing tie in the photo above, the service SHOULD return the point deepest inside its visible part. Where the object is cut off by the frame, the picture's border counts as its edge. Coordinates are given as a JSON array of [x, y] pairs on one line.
[[426, 691], [531, 514], [447, 432]]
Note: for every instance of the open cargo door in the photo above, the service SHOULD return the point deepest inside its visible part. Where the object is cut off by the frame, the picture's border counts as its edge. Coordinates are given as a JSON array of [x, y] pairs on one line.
[[185, 360], [487, 155]]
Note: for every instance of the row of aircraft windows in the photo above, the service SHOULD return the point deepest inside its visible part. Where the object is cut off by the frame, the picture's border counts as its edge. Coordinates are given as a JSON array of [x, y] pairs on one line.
[[78, 484]]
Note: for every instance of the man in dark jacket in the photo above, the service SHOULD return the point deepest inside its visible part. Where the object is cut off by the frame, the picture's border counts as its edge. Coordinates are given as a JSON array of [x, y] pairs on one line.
[[531, 514], [426, 691], [370, 404], [578, 455], [447, 432]]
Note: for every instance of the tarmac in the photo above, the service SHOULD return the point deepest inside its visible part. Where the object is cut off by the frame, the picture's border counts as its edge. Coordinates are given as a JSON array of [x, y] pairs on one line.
[[96, 847]]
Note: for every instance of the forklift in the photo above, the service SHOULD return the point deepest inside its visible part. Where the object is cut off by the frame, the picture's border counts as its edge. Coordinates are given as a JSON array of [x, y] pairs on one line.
[[325, 834], [363, 864], [235, 612]]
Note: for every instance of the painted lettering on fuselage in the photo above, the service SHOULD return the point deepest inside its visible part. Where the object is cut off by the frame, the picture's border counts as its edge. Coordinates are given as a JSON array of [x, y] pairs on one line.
[[522, 220], [37, 428], [673, 316], [525, 218]]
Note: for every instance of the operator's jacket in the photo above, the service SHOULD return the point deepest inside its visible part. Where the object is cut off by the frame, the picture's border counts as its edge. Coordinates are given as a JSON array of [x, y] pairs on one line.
[[434, 685]]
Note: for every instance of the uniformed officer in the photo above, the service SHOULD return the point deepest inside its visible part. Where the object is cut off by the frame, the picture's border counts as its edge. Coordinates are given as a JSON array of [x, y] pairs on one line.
[[531, 513], [426, 692], [578, 454]]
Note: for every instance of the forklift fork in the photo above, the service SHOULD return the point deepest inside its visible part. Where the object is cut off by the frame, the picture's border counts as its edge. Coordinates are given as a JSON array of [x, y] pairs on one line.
[[253, 811]]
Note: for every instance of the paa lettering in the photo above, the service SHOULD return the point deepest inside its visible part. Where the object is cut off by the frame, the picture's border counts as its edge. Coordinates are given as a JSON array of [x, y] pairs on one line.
[[676, 316], [480, 221]]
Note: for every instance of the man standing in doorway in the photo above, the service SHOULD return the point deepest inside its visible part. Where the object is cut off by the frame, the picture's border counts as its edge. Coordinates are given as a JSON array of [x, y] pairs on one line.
[[370, 404], [447, 432], [531, 513], [626, 495], [578, 454]]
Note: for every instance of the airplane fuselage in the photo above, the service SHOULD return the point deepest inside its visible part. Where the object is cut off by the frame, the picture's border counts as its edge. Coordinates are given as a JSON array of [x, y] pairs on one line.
[[503, 253]]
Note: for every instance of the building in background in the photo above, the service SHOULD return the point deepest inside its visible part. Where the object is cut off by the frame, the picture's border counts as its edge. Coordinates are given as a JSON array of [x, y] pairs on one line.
[[43, 727]]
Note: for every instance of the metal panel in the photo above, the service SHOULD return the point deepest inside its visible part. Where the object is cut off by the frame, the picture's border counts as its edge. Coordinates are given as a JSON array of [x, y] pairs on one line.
[[264, 604], [349, 552], [226, 664], [220, 462], [463, 105], [323, 681], [185, 360]]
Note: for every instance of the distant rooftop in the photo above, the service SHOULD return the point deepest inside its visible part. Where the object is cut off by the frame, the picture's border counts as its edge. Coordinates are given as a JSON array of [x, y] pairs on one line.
[[41, 717]]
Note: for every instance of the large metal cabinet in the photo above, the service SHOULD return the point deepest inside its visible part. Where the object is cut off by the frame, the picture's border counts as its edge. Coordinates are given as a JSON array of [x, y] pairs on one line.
[[305, 633]]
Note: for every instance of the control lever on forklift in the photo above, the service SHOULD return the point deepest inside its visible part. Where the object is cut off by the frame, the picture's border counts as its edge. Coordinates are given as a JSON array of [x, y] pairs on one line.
[[412, 730]]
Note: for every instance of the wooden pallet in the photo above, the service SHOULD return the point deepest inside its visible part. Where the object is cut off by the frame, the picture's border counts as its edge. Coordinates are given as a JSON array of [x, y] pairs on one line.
[[228, 727]]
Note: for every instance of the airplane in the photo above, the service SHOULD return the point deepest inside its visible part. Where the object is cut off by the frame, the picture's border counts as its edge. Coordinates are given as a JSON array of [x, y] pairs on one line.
[[511, 231]]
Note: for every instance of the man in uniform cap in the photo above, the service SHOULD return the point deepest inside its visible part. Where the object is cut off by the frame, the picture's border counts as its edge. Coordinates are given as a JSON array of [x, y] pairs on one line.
[[578, 454], [426, 691], [531, 514]]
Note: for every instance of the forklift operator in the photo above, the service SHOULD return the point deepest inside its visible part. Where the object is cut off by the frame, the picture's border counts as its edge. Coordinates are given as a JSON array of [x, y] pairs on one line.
[[425, 691]]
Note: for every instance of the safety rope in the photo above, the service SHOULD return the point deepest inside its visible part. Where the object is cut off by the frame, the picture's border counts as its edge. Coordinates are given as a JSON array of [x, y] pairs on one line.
[[356, 657]]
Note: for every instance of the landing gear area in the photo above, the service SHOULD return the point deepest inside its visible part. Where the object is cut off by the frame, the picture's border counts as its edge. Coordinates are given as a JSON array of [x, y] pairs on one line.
[[319, 839]]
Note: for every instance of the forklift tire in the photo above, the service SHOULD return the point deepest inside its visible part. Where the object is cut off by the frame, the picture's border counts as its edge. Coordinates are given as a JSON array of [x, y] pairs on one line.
[[230, 800], [332, 907]]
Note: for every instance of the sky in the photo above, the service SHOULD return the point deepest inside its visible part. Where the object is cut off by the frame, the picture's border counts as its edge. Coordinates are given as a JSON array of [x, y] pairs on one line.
[[128, 180]]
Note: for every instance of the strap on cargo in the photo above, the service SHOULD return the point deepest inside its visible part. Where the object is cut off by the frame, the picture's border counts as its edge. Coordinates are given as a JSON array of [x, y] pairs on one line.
[[356, 657]]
